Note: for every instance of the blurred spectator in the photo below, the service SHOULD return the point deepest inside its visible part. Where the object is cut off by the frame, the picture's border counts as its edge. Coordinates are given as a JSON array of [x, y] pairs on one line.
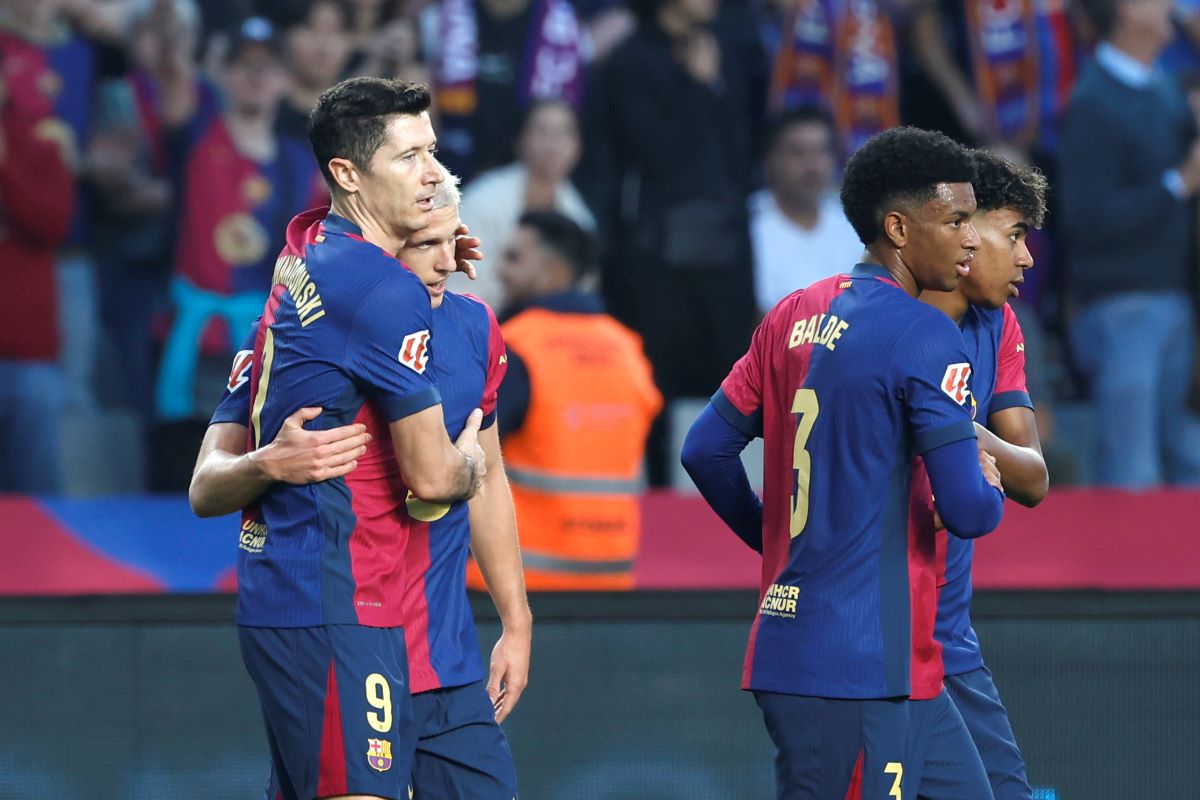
[[838, 55], [317, 42], [574, 412], [799, 232], [1129, 165], [547, 151], [395, 52], [239, 181], [37, 197], [1001, 72], [67, 64], [669, 165], [133, 221], [494, 58]]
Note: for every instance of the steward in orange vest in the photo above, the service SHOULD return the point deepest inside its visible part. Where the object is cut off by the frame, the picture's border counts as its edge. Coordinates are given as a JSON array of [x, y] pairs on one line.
[[574, 412]]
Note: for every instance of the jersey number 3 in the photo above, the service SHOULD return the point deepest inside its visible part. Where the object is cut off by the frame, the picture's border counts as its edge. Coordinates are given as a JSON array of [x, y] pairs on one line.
[[805, 405]]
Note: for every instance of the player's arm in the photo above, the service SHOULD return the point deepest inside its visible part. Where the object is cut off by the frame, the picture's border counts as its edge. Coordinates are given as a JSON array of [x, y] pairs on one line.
[[227, 478], [934, 373], [966, 488], [436, 469], [1013, 438], [498, 553], [1013, 442], [712, 457]]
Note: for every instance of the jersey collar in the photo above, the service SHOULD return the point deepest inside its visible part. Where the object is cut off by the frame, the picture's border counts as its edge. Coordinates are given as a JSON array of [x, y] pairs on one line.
[[338, 224], [873, 271]]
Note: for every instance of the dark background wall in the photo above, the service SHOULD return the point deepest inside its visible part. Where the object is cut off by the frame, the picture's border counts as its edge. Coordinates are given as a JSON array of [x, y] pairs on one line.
[[632, 696]]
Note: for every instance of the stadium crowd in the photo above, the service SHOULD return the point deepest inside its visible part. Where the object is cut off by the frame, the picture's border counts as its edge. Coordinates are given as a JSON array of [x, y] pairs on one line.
[[152, 152]]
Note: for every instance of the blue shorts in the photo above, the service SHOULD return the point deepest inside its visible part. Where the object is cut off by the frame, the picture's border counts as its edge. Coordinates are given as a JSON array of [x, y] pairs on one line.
[[461, 751], [975, 695], [941, 761], [336, 704], [819, 743]]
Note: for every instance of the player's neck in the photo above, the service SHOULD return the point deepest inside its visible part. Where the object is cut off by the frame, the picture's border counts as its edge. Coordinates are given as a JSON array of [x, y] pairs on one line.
[[953, 304], [385, 238], [890, 260]]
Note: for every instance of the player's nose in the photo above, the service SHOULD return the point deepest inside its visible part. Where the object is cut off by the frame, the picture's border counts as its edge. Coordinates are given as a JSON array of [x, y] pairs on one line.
[[970, 237]]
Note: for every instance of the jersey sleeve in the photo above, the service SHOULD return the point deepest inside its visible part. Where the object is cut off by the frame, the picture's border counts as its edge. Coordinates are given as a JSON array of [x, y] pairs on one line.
[[933, 374], [740, 399], [235, 400], [390, 347], [497, 368], [1011, 391]]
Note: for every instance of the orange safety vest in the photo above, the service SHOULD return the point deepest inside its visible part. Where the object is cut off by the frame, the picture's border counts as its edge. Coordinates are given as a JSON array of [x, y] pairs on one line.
[[575, 464]]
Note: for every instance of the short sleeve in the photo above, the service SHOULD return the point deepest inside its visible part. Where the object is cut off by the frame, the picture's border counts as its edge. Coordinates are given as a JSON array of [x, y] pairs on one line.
[[235, 400], [1011, 391], [933, 374], [740, 398], [390, 346], [497, 367]]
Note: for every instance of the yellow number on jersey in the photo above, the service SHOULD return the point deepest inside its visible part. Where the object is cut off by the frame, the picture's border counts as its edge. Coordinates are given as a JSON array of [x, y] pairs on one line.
[[896, 768], [379, 695], [804, 404], [264, 378]]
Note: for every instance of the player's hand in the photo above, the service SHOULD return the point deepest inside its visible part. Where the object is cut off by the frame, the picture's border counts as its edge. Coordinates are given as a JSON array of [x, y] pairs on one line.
[[991, 472], [509, 671], [299, 456], [468, 444], [466, 250]]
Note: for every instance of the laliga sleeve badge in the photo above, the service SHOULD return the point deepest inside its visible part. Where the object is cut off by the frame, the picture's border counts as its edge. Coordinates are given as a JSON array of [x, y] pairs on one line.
[[240, 373], [379, 754], [414, 351], [956, 381]]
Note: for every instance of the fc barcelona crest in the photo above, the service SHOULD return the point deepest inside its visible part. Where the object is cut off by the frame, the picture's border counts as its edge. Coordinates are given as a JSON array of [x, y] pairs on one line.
[[379, 754]]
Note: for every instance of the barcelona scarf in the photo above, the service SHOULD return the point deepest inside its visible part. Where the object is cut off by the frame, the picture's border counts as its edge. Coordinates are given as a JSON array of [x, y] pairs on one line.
[[1004, 52], [841, 55], [552, 69]]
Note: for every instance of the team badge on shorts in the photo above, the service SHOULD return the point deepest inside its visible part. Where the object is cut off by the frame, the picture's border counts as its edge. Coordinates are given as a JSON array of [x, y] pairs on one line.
[[379, 754]]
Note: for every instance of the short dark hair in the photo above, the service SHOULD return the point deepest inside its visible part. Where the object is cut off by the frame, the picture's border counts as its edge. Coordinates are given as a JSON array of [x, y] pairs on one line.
[[564, 236], [531, 110], [1102, 14], [999, 183], [899, 165], [801, 115], [350, 119]]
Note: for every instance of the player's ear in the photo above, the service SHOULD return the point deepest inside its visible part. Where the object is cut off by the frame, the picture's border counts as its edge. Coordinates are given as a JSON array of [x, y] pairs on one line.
[[896, 227], [345, 174]]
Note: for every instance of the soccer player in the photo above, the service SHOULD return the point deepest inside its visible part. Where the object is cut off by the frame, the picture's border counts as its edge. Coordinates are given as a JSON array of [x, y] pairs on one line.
[[845, 381], [1010, 200], [468, 757], [321, 567]]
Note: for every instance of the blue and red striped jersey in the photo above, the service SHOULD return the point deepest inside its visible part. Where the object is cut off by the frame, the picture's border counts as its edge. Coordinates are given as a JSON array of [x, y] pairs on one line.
[[443, 646], [997, 350], [347, 328], [845, 381]]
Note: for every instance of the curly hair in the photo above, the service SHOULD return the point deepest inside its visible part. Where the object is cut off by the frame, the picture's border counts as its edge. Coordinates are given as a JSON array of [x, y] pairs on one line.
[[899, 165], [999, 183]]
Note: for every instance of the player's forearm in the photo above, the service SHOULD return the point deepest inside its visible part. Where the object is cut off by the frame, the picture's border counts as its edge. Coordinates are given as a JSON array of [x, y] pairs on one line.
[[450, 481], [497, 550], [1022, 469], [225, 483], [968, 505]]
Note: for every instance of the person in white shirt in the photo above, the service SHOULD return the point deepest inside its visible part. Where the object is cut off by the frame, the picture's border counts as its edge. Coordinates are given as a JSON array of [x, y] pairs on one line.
[[547, 150], [797, 227]]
